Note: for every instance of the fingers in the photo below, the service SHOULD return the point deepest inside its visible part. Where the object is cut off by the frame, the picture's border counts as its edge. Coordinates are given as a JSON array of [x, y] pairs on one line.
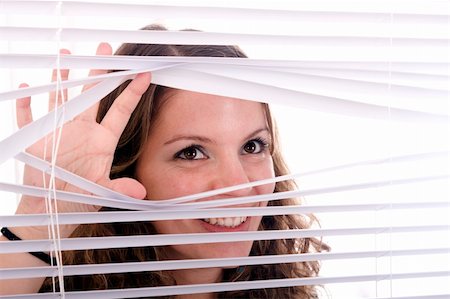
[[102, 49], [91, 113], [118, 115], [23, 110], [57, 99], [129, 187]]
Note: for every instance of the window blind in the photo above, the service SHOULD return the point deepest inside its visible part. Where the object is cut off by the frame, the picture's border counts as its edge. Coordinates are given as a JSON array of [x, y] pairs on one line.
[[361, 86]]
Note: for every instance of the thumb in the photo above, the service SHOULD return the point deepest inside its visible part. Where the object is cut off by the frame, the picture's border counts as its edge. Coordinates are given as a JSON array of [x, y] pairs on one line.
[[129, 187]]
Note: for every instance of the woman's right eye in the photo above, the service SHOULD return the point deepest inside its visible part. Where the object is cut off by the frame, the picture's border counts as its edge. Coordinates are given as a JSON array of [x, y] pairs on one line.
[[190, 153]]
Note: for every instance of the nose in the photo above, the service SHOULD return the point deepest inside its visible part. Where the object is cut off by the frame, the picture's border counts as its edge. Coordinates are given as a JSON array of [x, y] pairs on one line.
[[231, 172]]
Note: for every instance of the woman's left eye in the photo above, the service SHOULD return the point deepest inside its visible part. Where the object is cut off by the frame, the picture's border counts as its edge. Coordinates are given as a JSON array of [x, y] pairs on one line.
[[254, 146]]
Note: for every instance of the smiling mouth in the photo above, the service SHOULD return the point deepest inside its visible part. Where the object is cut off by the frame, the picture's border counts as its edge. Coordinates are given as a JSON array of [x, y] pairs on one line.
[[226, 222]]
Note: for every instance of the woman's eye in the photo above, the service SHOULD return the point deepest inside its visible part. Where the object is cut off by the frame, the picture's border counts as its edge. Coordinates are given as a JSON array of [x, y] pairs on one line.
[[190, 153], [254, 146]]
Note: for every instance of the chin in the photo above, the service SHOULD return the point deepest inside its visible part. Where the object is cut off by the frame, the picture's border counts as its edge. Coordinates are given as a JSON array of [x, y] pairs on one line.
[[213, 250], [228, 250]]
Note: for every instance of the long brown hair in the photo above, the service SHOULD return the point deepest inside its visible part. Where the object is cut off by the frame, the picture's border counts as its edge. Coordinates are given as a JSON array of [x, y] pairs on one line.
[[128, 152]]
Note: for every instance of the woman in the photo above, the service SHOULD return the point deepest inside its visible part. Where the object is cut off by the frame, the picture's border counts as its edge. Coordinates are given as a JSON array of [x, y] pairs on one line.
[[154, 143]]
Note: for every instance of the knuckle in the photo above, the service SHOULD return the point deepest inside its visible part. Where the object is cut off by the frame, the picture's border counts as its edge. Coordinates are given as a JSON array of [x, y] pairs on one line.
[[123, 108]]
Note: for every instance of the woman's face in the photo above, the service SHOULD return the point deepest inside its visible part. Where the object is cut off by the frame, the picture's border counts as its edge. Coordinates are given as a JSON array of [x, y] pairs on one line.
[[202, 142]]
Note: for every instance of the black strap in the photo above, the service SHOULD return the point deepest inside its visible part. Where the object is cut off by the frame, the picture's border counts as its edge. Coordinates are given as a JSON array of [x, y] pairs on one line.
[[39, 254]]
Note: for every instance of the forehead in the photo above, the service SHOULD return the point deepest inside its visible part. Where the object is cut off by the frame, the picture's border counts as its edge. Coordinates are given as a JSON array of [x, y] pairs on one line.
[[204, 113]]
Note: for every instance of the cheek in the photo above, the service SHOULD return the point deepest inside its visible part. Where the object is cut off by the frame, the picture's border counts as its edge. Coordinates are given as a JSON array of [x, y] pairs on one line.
[[173, 184], [265, 171], [171, 226], [265, 189], [260, 167]]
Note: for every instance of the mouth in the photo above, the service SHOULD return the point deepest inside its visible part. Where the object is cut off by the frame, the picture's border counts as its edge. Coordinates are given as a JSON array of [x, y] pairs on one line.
[[227, 222]]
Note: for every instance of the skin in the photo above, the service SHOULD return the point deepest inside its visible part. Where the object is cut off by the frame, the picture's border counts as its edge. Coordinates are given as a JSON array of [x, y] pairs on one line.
[[225, 125], [203, 142], [89, 155]]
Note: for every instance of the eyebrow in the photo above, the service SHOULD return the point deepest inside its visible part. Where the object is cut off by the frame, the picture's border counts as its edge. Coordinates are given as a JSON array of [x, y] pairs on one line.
[[205, 139], [188, 137]]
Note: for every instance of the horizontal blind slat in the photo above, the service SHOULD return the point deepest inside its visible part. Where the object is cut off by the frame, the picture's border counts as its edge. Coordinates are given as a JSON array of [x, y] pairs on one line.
[[430, 36], [145, 205], [89, 269], [129, 216], [353, 90], [339, 48], [327, 8], [229, 286], [203, 238], [441, 296], [12, 60]]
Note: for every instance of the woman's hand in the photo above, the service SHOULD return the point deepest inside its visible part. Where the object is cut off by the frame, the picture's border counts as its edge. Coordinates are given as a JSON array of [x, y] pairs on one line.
[[86, 148]]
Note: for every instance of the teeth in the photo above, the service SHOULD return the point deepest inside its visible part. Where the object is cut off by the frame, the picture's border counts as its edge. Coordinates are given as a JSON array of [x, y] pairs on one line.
[[228, 221], [236, 221]]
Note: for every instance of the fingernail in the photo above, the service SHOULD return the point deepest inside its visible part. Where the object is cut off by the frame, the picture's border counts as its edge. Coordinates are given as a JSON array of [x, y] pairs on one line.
[[103, 48]]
